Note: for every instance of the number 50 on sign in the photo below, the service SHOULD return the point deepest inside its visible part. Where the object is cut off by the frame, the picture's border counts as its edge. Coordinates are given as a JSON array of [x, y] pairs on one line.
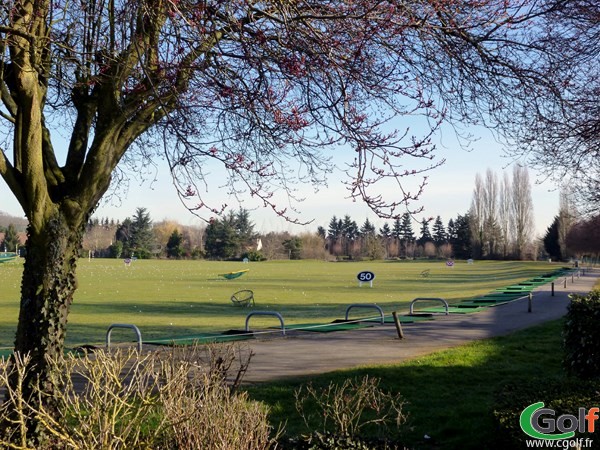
[[365, 277]]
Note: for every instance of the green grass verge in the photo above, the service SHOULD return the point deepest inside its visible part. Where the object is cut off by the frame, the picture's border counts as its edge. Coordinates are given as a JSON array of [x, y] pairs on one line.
[[449, 394], [167, 299]]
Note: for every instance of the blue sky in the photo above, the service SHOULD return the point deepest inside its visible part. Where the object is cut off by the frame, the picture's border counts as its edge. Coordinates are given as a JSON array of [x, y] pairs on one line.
[[448, 193]]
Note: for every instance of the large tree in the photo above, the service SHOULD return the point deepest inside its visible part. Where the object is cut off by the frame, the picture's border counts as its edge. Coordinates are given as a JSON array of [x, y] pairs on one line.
[[221, 241], [425, 233], [252, 85], [142, 237], [460, 238], [244, 228], [439, 232], [560, 134], [551, 241], [522, 210], [502, 214], [583, 238]]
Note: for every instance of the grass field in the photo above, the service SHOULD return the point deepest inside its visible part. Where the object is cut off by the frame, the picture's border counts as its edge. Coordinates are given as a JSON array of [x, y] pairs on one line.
[[450, 395], [175, 298]]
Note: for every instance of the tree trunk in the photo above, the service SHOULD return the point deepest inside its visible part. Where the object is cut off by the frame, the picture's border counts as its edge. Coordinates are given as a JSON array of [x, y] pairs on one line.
[[47, 290]]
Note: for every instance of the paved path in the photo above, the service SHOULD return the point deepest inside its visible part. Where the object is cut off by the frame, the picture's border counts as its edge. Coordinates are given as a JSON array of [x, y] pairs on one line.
[[305, 354]]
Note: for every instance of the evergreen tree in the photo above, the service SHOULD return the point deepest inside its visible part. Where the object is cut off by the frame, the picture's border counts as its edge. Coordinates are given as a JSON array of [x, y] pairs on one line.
[[439, 233], [293, 247], [334, 232], [350, 233], [230, 237], [386, 234], [461, 237], [94, 222], [403, 232], [246, 236], [385, 231], [124, 235], [406, 228], [451, 230], [397, 229], [220, 240], [367, 229], [174, 245], [334, 236], [425, 233], [116, 249], [11, 239], [321, 232], [135, 235], [142, 238], [552, 241]]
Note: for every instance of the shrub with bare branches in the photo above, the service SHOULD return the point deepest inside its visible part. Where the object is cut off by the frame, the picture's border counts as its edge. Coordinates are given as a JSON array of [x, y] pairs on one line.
[[181, 399]]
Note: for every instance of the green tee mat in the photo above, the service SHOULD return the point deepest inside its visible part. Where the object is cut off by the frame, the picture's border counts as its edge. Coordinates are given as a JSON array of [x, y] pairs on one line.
[[203, 338], [515, 288], [452, 309], [326, 327], [403, 319]]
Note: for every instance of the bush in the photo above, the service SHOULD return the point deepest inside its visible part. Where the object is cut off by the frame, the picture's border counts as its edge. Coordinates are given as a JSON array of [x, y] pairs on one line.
[[124, 400], [343, 412], [254, 255], [116, 249], [582, 336]]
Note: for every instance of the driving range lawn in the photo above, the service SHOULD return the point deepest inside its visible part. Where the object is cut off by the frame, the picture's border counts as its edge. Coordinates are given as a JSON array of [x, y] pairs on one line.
[[449, 395], [168, 299]]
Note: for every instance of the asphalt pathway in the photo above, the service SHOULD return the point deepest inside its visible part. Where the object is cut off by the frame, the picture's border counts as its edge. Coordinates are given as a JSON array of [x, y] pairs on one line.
[[305, 354]]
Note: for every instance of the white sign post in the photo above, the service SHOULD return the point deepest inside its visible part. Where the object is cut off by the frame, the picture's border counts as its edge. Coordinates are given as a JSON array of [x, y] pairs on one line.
[[364, 277]]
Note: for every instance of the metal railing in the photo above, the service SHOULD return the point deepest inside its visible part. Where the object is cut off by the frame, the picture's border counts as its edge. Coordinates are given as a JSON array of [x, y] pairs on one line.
[[128, 326], [266, 313], [366, 305], [434, 299]]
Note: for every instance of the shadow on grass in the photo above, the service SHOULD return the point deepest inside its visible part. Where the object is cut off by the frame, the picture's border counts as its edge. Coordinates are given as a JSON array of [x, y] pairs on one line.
[[159, 320], [187, 309], [450, 394]]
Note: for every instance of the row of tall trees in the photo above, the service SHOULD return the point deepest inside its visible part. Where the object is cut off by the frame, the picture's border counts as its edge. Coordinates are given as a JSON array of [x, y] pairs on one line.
[[397, 239], [499, 224], [501, 215], [140, 237], [234, 237]]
